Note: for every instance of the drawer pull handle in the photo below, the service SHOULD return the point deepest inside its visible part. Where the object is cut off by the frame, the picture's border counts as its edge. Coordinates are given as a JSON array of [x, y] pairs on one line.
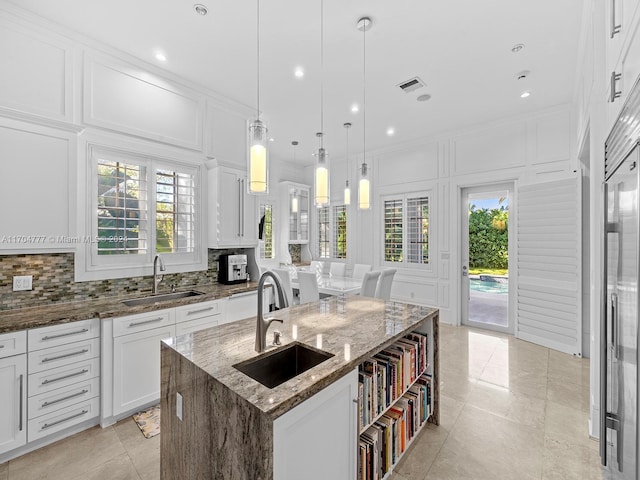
[[191, 312], [21, 406], [77, 332], [144, 322], [49, 425], [81, 372], [72, 354], [68, 397]]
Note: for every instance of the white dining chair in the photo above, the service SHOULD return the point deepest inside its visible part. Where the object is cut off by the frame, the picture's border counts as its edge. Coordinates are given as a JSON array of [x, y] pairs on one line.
[[337, 269], [369, 284], [285, 281], [383, 289], [308, 286], [316, 267], [359, 269]]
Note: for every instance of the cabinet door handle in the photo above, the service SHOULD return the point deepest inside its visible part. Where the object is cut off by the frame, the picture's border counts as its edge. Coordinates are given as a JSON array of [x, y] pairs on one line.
[[614, 325], [68, 397], [144, 322], [21, 409], [53, 424], [72, 354], [242, 223], [71, 375], [77, 332], [191, 312], [614, 81], [615, 29]]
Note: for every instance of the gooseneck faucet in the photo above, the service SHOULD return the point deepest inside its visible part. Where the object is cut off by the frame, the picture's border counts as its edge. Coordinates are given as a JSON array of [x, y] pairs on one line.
[[262, 324], [157, 278]]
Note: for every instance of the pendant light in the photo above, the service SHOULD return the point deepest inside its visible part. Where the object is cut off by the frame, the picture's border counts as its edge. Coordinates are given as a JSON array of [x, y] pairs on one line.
[[322, 159], [257, 160], [347, 190], [364, 184]]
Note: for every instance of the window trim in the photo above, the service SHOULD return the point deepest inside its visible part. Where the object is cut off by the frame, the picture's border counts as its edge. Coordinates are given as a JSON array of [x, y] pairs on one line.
[[91, 266], [404, 197], [331, 239]]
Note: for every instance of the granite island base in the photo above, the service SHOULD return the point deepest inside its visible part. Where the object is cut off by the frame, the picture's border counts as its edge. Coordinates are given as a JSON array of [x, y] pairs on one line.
[[218, 423]]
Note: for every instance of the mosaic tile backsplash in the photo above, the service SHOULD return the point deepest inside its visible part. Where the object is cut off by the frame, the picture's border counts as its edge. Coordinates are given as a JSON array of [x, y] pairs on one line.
[[53, 280]]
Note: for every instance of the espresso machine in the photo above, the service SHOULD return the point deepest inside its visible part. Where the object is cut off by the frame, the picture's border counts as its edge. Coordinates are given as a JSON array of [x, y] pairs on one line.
[[232, 269]]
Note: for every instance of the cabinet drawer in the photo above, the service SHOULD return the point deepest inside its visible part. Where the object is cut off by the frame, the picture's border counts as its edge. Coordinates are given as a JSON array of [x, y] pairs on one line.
[[197, 324], [63, 397], [55, 335], [13, 343], [62, 419], [144, 321], [41, 360], [198, 310], [63, 376]]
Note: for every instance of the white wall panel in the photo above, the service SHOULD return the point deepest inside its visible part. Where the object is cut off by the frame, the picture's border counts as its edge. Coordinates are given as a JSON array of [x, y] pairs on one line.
[[226, 136], [552, 133], [417, 165], [128, 100], [36, 73], [490, 149], [414, 289]]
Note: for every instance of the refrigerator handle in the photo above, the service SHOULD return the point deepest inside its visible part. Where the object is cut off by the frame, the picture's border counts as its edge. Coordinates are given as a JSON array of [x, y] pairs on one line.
[[614, 325], [603, 337]]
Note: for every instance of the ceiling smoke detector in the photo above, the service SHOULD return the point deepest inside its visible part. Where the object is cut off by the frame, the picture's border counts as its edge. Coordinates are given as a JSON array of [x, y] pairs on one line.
[[424, 98], [411, 85], [200, 9], [517, 47]]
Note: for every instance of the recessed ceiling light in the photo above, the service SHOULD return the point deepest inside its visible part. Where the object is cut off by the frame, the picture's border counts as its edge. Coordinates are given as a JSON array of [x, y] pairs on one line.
[[424, 98], [161, 57], [391, 131], [200, 9], [517, 47], [355, 108], [299, 72], [272, 139], [525, 94]]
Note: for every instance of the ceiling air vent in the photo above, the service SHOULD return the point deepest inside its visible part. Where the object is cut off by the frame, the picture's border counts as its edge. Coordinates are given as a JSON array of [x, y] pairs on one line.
[[411, 85]]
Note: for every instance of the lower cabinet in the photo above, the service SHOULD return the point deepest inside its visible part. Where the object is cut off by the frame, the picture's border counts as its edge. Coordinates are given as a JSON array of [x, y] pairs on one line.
[[317, 439], [242, 305], [13, 399]]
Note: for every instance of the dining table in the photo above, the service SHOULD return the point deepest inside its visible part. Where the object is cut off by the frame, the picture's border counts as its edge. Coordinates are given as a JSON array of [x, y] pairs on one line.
[[332, 285]]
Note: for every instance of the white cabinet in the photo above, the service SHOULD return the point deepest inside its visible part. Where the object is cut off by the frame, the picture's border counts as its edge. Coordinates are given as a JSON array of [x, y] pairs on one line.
[[242, 305], [64, 377], [233, 212], [191, 318], [136, 358], [317, 439], [13, 391]]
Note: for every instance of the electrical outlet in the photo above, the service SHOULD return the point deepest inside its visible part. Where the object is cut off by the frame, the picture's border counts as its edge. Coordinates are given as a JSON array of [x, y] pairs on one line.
[[179, 405], [24, 282]]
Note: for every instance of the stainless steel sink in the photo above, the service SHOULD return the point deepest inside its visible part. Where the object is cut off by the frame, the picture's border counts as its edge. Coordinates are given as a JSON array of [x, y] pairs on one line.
[[283, 364], [150, 300]]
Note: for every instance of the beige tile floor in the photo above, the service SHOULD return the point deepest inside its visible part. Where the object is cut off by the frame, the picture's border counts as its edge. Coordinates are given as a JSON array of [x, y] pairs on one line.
[[509, 410]]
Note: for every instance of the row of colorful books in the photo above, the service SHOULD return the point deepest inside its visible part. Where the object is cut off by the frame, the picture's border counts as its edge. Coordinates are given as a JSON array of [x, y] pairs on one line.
[[382, 443], [388, 374]]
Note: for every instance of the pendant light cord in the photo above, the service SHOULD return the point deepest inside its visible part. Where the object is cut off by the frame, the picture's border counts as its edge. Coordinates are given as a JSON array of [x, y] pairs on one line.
[[364, 93], [322, 72], [258, 57]]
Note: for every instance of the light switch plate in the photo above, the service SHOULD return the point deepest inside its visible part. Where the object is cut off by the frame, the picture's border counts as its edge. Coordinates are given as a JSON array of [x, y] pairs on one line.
[[24, 282], [179, 405]]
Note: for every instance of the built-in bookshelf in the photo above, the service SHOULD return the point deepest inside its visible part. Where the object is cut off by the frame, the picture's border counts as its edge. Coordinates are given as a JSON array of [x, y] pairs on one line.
[[394, 402]]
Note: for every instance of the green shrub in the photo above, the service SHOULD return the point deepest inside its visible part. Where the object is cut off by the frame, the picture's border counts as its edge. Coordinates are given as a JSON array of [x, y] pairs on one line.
[[488, 238]]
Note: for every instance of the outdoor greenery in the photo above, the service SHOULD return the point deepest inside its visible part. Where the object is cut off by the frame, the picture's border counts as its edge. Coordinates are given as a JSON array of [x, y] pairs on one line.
[[488, 238]]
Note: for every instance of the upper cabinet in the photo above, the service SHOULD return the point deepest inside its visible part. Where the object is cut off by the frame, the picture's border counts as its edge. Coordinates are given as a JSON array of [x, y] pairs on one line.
[[295, 202], [233, 213], [622, 53]]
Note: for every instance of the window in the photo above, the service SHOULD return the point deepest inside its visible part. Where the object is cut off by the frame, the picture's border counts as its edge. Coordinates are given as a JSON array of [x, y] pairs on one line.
[[339, 231], [323, 233], [266, 229], [141, 206], [332, 232], [406, 229]]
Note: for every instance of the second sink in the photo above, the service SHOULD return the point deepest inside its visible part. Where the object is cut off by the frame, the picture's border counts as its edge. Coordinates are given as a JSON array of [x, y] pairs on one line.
[[160, 298], [283, 364]]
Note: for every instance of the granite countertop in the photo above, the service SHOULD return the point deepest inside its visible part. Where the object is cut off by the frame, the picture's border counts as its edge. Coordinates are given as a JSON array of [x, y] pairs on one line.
[[352, 328], [34, 317]]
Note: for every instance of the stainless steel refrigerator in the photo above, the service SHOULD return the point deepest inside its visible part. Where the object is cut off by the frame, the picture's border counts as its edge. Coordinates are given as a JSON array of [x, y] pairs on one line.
[[619, 328]]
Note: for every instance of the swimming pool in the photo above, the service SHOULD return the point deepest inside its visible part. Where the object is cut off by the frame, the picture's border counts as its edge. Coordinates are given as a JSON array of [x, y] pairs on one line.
[[499, 286]]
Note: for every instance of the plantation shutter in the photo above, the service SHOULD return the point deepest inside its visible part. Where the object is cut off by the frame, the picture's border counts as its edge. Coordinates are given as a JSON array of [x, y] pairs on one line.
[[393, 230], [548, 304], [339, 242], [418, 230], [175, 212]]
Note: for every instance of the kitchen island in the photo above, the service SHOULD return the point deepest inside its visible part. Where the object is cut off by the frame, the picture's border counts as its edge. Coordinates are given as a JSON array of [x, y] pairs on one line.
[[221, 424]]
